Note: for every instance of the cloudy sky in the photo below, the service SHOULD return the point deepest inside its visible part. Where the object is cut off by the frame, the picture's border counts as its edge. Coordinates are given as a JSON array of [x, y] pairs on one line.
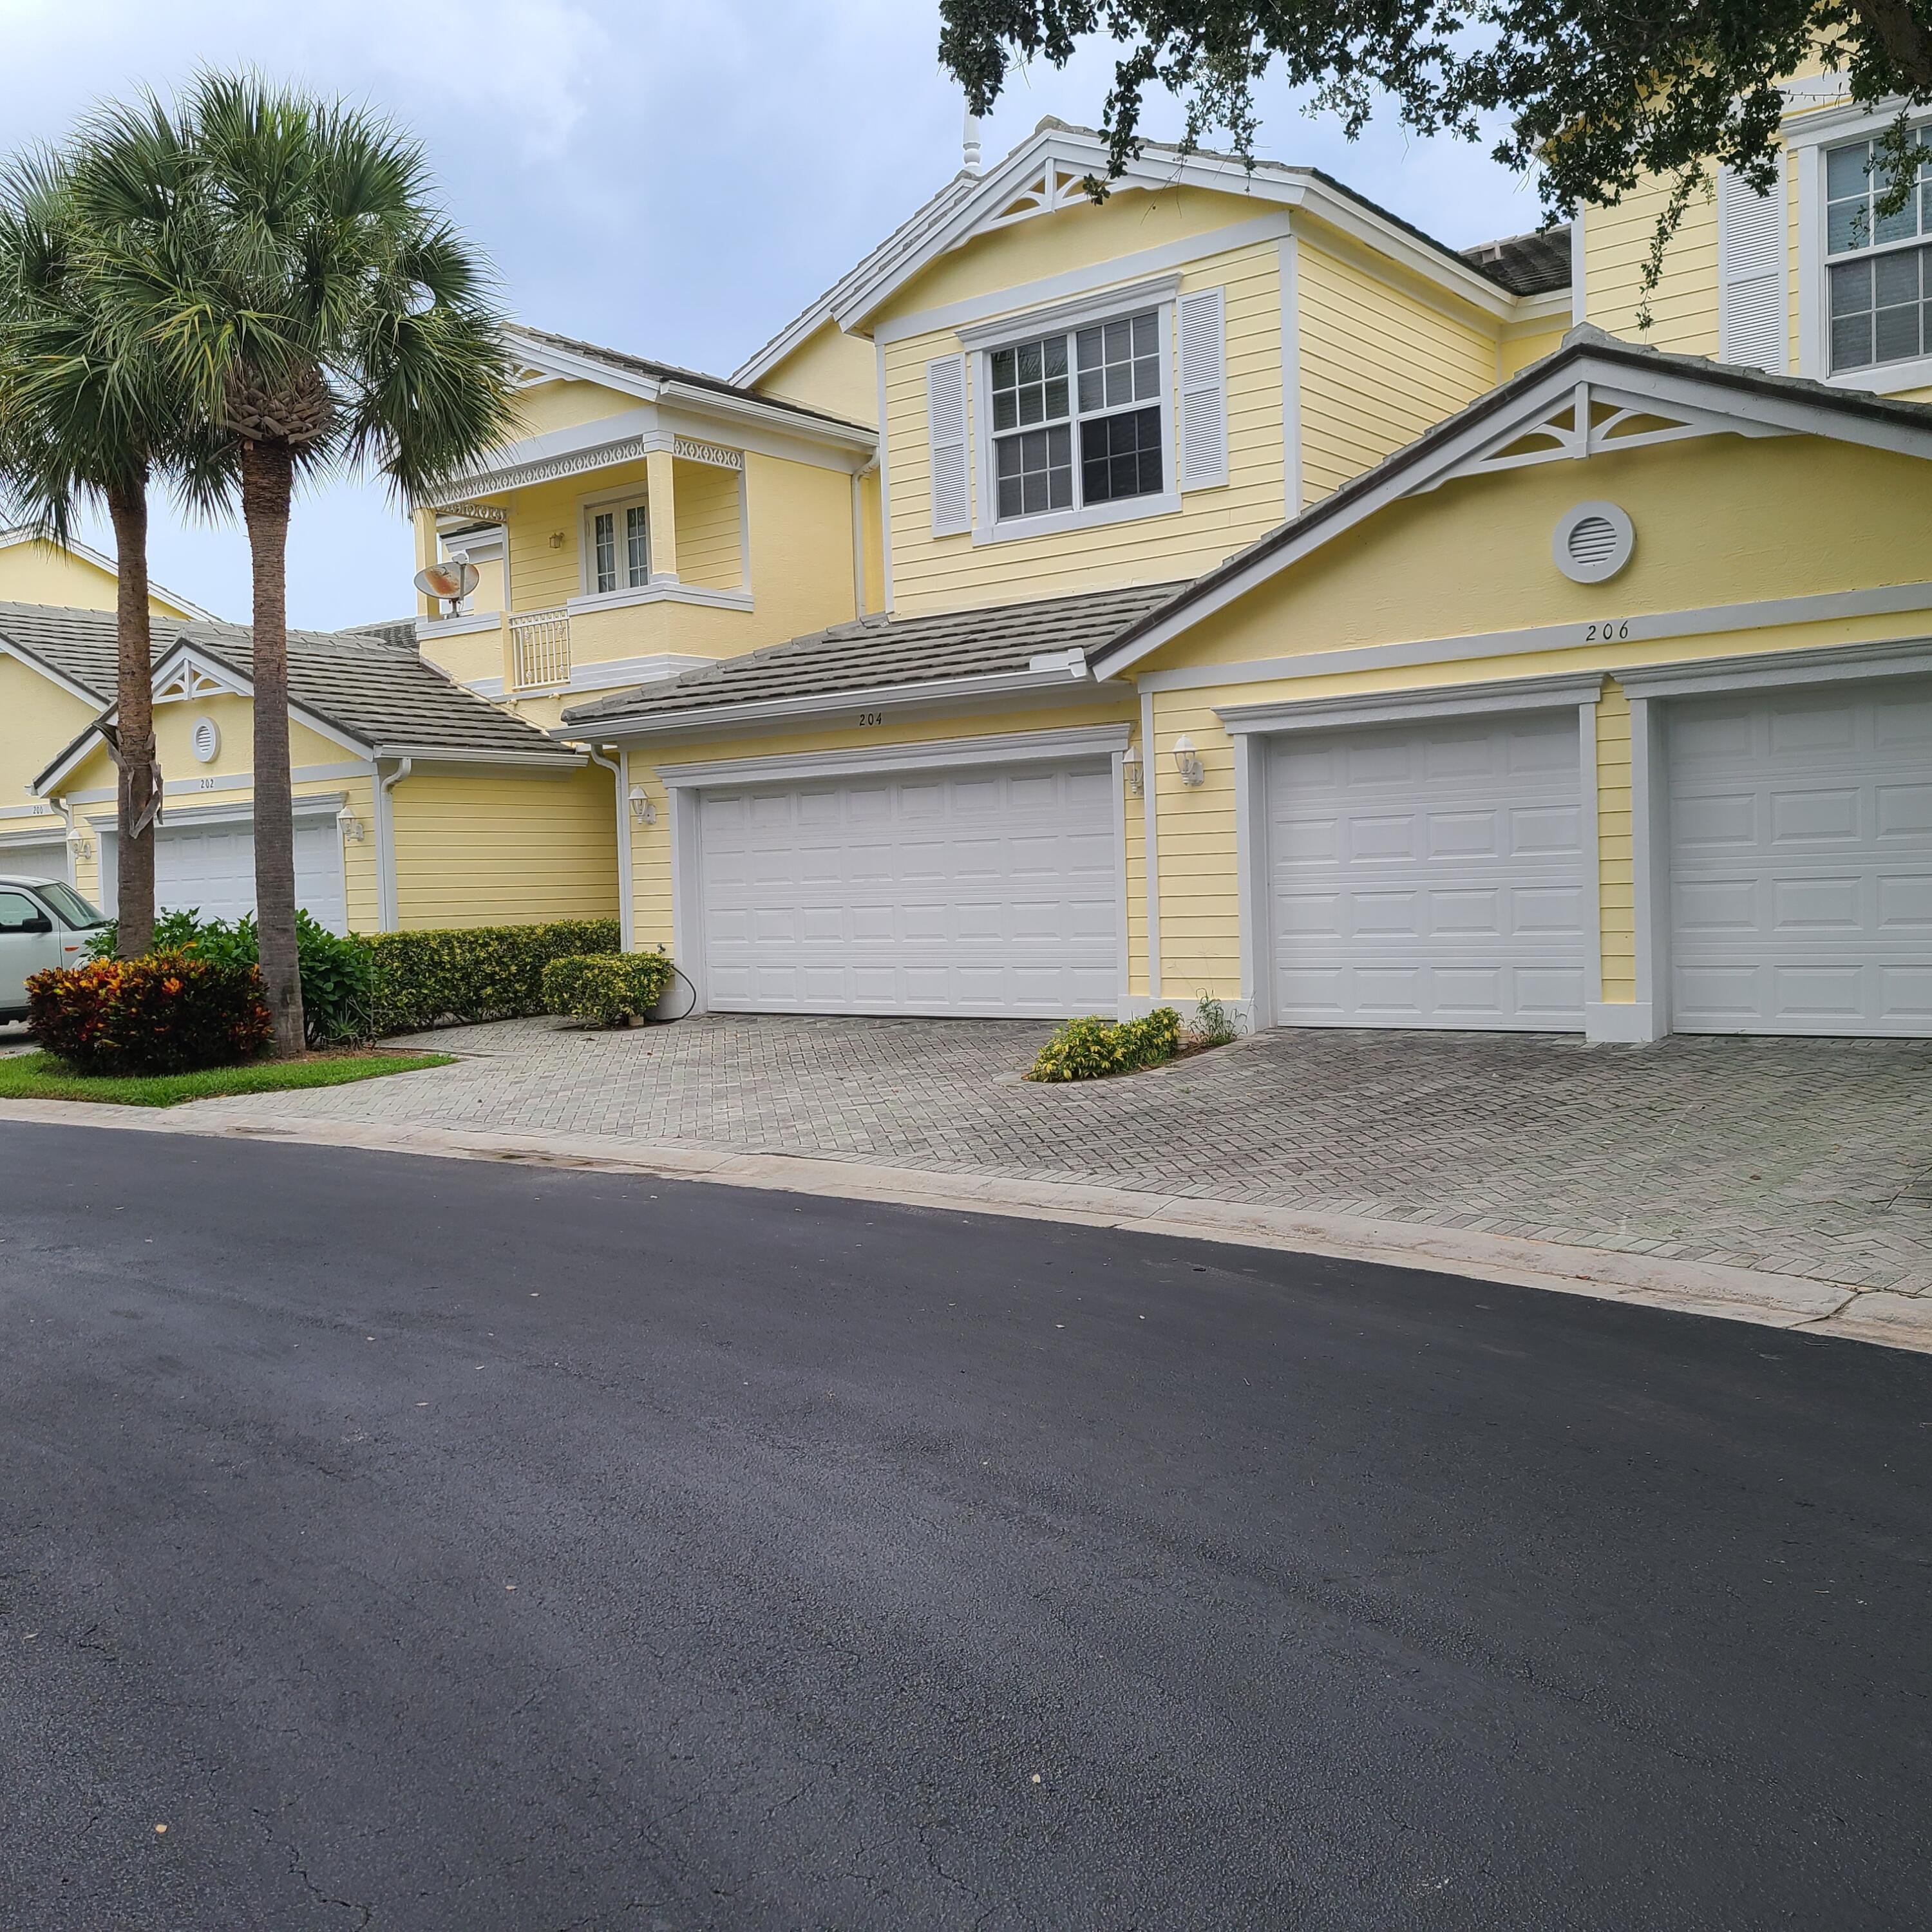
[[674, 177]]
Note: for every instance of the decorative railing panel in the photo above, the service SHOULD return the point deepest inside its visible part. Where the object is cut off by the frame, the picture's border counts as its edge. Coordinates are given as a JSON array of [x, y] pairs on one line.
[[540, 648]]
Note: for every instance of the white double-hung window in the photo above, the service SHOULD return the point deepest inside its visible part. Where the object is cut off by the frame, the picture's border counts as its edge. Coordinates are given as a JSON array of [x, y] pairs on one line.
[[1879, 267], [1078, 419], [617, 546]]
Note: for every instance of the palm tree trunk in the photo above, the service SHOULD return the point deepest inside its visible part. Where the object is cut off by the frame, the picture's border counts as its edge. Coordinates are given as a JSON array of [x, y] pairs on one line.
[[140, 768], [267, 477]]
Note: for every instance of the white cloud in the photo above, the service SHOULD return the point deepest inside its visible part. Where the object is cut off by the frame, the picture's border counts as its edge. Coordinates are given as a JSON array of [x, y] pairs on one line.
[[676, 176]]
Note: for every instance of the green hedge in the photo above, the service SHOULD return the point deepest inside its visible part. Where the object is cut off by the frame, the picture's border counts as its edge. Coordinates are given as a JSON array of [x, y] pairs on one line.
[[474, 973], [610, 989], [1090, 1049]]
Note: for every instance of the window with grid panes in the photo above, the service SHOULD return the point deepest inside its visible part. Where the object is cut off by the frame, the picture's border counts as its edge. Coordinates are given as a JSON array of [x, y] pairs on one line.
[[1880, 271], [1095, 392], [619, 544]]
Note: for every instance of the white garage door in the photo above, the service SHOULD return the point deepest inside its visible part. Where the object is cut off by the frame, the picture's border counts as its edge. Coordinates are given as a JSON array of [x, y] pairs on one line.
[[1429, 875], [979, 892], [210, 868], [45, 861], [1801, 861]]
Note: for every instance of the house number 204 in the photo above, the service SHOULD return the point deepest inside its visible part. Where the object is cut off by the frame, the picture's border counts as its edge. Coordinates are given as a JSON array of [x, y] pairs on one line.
[[872, 718], [1611, 630]]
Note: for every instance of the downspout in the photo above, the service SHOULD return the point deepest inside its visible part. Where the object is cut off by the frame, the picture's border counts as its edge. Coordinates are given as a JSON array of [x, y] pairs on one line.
[[619, 768], [387, 912]]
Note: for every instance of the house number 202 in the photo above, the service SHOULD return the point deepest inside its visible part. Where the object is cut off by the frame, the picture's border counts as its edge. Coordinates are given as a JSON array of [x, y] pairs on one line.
[[1613, 631], [872, 718]]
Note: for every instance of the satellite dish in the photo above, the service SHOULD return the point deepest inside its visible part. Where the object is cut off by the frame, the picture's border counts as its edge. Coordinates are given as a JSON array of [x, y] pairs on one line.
[[454, 581]]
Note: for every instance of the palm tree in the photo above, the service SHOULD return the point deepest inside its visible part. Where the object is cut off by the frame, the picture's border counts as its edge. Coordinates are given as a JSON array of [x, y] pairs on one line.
[[285, 258], [87, 416]]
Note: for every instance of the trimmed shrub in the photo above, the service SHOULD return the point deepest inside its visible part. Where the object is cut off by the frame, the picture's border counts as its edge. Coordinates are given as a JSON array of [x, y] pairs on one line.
[[167, 1012], [610, 989], [1091, 1048], [473, 974], [337, 974]]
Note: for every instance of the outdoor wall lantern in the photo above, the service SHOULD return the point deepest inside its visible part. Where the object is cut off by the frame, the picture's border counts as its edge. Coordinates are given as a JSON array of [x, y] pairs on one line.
[[79, 845], [349, 825], [1187, 761], [1130, 763], [643, 811]]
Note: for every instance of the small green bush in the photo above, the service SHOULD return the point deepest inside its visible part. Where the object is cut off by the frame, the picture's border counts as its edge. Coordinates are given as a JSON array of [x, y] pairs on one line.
[[1213, 1025], [610, 989], [473, 974], [337, 973], [167, 1013], [1091, 1048]]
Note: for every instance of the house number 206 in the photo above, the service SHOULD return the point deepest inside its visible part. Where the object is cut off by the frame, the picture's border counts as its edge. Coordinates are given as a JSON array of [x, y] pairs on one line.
[[872, 718], [1613, 631]]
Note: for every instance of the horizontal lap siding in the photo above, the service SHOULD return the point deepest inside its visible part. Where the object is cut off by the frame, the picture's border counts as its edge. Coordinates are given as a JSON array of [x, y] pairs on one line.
[[361, 860], [931, 573], [1379, 368], [1200, 907], [505, 850], [1616, 245], [1616, 871], [709, 515]]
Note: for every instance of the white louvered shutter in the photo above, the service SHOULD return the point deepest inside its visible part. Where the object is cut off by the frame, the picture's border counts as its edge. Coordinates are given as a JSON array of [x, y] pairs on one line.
[[1754, 300], [946, 430], [1204, 391]]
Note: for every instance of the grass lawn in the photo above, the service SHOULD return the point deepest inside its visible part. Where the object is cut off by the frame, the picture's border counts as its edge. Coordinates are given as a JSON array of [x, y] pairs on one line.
[[40, 1076]]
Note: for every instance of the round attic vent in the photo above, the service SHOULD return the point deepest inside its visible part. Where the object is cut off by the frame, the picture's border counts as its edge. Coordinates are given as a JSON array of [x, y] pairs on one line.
[[1592, 542], [206, 740]]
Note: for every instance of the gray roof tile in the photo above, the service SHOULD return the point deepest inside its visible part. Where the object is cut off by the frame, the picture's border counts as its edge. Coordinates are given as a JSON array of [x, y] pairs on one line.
[[1525, 264], [378, 693], [879, 652]]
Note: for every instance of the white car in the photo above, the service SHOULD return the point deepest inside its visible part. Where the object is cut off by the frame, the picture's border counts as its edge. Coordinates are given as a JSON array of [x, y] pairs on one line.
[[43, 923]]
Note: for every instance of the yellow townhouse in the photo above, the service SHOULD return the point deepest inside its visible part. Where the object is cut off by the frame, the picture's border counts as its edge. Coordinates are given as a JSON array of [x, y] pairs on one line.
[[1278, 603], [417, 803]]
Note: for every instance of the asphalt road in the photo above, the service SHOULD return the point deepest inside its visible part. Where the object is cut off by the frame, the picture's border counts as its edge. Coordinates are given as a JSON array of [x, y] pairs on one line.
[[434, 1545]]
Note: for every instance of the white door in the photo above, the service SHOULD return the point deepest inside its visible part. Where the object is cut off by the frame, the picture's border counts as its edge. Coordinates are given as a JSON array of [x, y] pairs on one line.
[[976, 892], [1429, 875], [211, 869], [1801, 861]]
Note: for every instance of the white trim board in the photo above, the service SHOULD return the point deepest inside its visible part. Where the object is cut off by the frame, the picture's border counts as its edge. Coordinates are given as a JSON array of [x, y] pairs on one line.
[[1778, 670], [1380, 707], [1661, 626], [1003, 747], [313, 805]]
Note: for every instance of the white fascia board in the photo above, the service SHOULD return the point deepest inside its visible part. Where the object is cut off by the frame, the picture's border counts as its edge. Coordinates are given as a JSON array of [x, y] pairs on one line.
[[809, 426], [8, 649], [781, 436], [1770, 670], [1382, 707], [892, 696], [455, 754], [568, 365], [1002, 748], [1297, 189], [1754, 412], [1533, 312], [508, 461]]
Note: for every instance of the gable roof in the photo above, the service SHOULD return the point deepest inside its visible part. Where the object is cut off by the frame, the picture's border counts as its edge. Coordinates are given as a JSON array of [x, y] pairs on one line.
[[386, 700], [641, 375], [100, 560], [1526, 265], [1644, 383], [898, 659], [952, 218]]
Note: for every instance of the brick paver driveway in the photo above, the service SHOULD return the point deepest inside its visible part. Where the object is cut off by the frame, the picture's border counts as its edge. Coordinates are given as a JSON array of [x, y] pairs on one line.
[[1803, 1157]]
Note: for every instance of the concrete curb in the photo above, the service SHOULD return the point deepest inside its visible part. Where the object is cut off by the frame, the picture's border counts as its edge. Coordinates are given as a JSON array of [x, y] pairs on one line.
[[1739, 1295]]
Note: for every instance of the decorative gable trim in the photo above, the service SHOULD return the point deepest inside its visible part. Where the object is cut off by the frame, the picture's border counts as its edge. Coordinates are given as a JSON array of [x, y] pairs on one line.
[[1054, 184], [1595, 419], [1644, 396], [186, 676]]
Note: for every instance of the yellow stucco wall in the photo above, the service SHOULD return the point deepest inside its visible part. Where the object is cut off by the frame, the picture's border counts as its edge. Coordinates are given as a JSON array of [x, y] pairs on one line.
[[710, 516], [566, 405], [476, 847], [37, 719], [1518, 348], [829, 370], [32, 571]]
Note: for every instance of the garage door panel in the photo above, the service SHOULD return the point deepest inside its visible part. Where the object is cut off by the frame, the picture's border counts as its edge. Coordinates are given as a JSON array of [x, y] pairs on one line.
[[1812, 913], [1430, 876], [978, 892]]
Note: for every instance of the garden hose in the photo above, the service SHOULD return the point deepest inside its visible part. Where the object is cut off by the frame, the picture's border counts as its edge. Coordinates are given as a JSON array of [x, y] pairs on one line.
[[662, 1019]]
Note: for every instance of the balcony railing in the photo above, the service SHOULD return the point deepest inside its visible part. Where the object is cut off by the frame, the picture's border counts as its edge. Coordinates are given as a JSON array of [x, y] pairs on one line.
[[540, 648]]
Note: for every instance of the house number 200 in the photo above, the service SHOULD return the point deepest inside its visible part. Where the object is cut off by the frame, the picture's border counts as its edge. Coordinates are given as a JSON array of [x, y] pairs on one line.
[[1613, 631], [872, 718]]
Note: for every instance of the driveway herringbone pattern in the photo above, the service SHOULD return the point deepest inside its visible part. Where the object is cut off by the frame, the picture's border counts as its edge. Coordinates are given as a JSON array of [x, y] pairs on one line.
[[1804, 1157]]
